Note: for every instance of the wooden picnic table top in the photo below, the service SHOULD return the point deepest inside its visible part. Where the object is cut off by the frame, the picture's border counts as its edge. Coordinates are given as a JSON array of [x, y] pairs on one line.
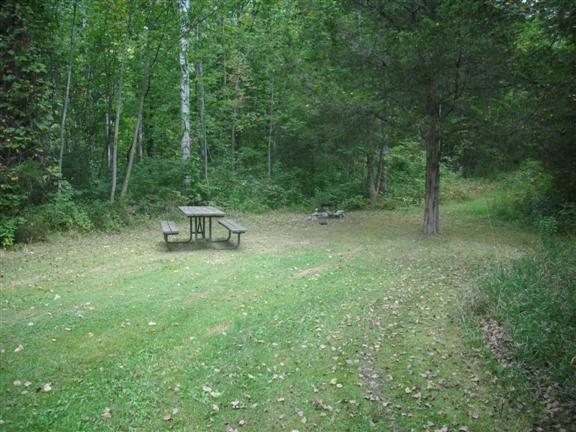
[[201, 211]]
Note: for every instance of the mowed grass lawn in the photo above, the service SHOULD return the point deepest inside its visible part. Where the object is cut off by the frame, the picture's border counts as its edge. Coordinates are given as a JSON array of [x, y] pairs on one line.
[[352, 326]]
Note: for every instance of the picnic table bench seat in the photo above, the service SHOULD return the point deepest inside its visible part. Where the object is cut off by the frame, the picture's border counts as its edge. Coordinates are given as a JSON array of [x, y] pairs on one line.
[[233, 227], [168, 228]]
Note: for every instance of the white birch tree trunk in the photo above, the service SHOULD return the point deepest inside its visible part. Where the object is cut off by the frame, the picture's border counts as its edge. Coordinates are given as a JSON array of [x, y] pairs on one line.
[[184, 6]]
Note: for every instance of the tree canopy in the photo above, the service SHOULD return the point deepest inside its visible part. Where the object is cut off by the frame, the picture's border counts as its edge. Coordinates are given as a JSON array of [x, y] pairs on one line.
[[256, 104]]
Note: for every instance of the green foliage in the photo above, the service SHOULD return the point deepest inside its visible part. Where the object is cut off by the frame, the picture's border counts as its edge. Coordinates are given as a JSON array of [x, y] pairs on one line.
[[61, 213], [534, 298], [8, 228], [346, 195], [243, 190], [406, 174], [457, 188], [529, 196], [24, 110], [158, 184], [108, 217], [305, 89]]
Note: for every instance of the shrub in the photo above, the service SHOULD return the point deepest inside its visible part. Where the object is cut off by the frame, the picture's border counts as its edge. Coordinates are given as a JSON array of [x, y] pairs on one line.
[[26, 184], [528, 197], [9, 228], [108, 217], [62, 213], [252, 190]]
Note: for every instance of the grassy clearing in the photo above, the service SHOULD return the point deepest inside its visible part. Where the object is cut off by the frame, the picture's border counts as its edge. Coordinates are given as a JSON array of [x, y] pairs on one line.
[[349, 326]]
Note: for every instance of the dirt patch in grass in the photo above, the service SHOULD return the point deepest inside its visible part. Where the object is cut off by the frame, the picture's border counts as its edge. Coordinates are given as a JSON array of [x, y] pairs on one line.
[[312, 271], [217, 329]]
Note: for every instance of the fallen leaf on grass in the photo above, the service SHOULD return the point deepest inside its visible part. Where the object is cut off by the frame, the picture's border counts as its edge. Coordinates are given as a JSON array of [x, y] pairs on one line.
[[46, 388], [106, 414], [211, 392]]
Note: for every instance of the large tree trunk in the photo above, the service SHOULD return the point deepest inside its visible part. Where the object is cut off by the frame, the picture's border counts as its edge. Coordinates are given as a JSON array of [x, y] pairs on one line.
[[67, 92], [118, 112], [201, 109], [185, 80], [433, 156], [271, 129]]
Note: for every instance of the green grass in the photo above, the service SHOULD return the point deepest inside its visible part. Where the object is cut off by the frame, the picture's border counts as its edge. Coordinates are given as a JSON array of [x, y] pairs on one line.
[[346, 327], [535, 300]]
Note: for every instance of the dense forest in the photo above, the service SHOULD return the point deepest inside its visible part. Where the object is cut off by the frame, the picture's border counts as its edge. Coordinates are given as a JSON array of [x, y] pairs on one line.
[[118, 107]]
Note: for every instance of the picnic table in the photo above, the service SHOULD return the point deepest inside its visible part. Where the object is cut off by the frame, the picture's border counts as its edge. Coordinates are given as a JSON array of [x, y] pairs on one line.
[[201, 218], [198, 216]]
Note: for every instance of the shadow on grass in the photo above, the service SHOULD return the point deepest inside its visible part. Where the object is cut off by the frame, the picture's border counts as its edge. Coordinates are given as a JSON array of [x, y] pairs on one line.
[[197, 245]]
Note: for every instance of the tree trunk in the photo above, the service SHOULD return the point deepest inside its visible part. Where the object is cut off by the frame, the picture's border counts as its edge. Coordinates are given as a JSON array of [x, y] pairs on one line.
[[433, 156], [185, 80], [137, 128], [376, 184], [67, 92], [141, 141], [237, 102], [372, 190], [234, 131], [382, 173], [201, 109], [271, 129], [118, 112]]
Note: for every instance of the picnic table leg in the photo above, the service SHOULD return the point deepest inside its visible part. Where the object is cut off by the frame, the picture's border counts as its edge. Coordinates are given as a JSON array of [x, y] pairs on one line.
[[202, 226], [191, 231], [210, 229]]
